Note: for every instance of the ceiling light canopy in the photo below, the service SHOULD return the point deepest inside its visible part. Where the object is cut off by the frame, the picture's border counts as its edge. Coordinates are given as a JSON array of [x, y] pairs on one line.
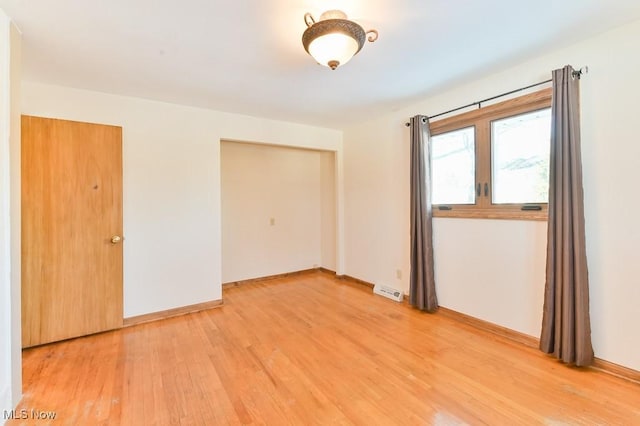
[[334, 40]]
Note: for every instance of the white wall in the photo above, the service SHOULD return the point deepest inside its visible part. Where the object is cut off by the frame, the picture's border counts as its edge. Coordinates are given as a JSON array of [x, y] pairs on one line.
[[494, 270], [171, 160], [263, 183], [10, 332]]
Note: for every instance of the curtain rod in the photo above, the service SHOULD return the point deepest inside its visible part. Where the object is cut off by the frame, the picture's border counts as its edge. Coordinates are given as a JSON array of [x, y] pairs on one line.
[[576, 74]]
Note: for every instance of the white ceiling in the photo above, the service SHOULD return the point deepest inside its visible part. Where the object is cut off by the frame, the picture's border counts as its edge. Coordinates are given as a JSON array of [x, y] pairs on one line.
[[246, 56]]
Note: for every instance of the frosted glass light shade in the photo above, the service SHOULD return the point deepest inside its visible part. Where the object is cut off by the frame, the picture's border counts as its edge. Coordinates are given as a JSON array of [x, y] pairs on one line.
[[334, 49], [334, 40]]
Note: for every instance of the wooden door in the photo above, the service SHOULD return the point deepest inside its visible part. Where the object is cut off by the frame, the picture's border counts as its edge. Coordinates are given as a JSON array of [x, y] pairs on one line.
[[71, 212]]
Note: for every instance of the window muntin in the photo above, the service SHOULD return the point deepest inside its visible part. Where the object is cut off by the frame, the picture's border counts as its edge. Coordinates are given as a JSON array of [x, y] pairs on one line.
[[453, 172]]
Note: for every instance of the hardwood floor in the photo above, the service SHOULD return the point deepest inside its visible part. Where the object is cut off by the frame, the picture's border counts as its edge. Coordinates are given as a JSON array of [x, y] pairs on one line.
[[312, 349]]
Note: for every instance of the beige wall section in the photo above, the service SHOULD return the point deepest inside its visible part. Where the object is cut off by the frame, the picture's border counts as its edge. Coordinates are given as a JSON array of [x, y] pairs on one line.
[[493, 270], [273, 205], [6, 372], [328, 207], [171, 185], [10, 345], [15, 170]]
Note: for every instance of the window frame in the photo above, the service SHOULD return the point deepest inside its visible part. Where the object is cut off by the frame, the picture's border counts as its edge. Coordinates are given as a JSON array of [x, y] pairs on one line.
[[481, 120]]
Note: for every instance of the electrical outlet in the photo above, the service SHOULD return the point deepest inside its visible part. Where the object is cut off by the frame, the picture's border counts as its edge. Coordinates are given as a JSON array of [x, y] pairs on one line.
[[272, 221], [399, 274]]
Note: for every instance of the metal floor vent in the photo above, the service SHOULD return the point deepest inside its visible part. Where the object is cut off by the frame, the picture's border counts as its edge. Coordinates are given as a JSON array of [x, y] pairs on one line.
[[390, 292]]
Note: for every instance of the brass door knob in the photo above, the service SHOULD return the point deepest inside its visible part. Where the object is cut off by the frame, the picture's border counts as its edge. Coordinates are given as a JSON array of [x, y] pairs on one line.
[[116, 239]]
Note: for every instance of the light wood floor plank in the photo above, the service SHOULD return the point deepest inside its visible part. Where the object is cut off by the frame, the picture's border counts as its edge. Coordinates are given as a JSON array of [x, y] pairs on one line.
[[312, 349]]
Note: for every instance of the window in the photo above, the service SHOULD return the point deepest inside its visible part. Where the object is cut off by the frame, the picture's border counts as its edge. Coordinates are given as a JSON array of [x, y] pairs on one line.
[[520, 158], [453, 158], [493, 162]]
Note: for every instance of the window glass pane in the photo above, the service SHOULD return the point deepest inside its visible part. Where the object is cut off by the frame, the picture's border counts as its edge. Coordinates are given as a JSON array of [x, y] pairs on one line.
[[453, 171], [520, 158]]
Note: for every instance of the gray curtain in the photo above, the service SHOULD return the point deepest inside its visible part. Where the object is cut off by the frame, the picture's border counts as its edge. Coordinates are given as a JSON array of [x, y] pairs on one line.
[[566, 328], [422, 292]]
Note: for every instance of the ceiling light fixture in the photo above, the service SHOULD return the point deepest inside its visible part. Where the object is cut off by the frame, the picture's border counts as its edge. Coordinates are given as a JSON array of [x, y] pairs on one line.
[[334, 40]]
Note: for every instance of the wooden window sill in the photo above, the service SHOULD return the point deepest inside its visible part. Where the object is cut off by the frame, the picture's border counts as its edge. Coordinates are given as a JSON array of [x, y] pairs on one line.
[[508, 214]]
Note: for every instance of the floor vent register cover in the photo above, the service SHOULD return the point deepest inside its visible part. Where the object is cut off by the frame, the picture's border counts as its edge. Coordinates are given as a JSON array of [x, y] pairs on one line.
[[390, 292]]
